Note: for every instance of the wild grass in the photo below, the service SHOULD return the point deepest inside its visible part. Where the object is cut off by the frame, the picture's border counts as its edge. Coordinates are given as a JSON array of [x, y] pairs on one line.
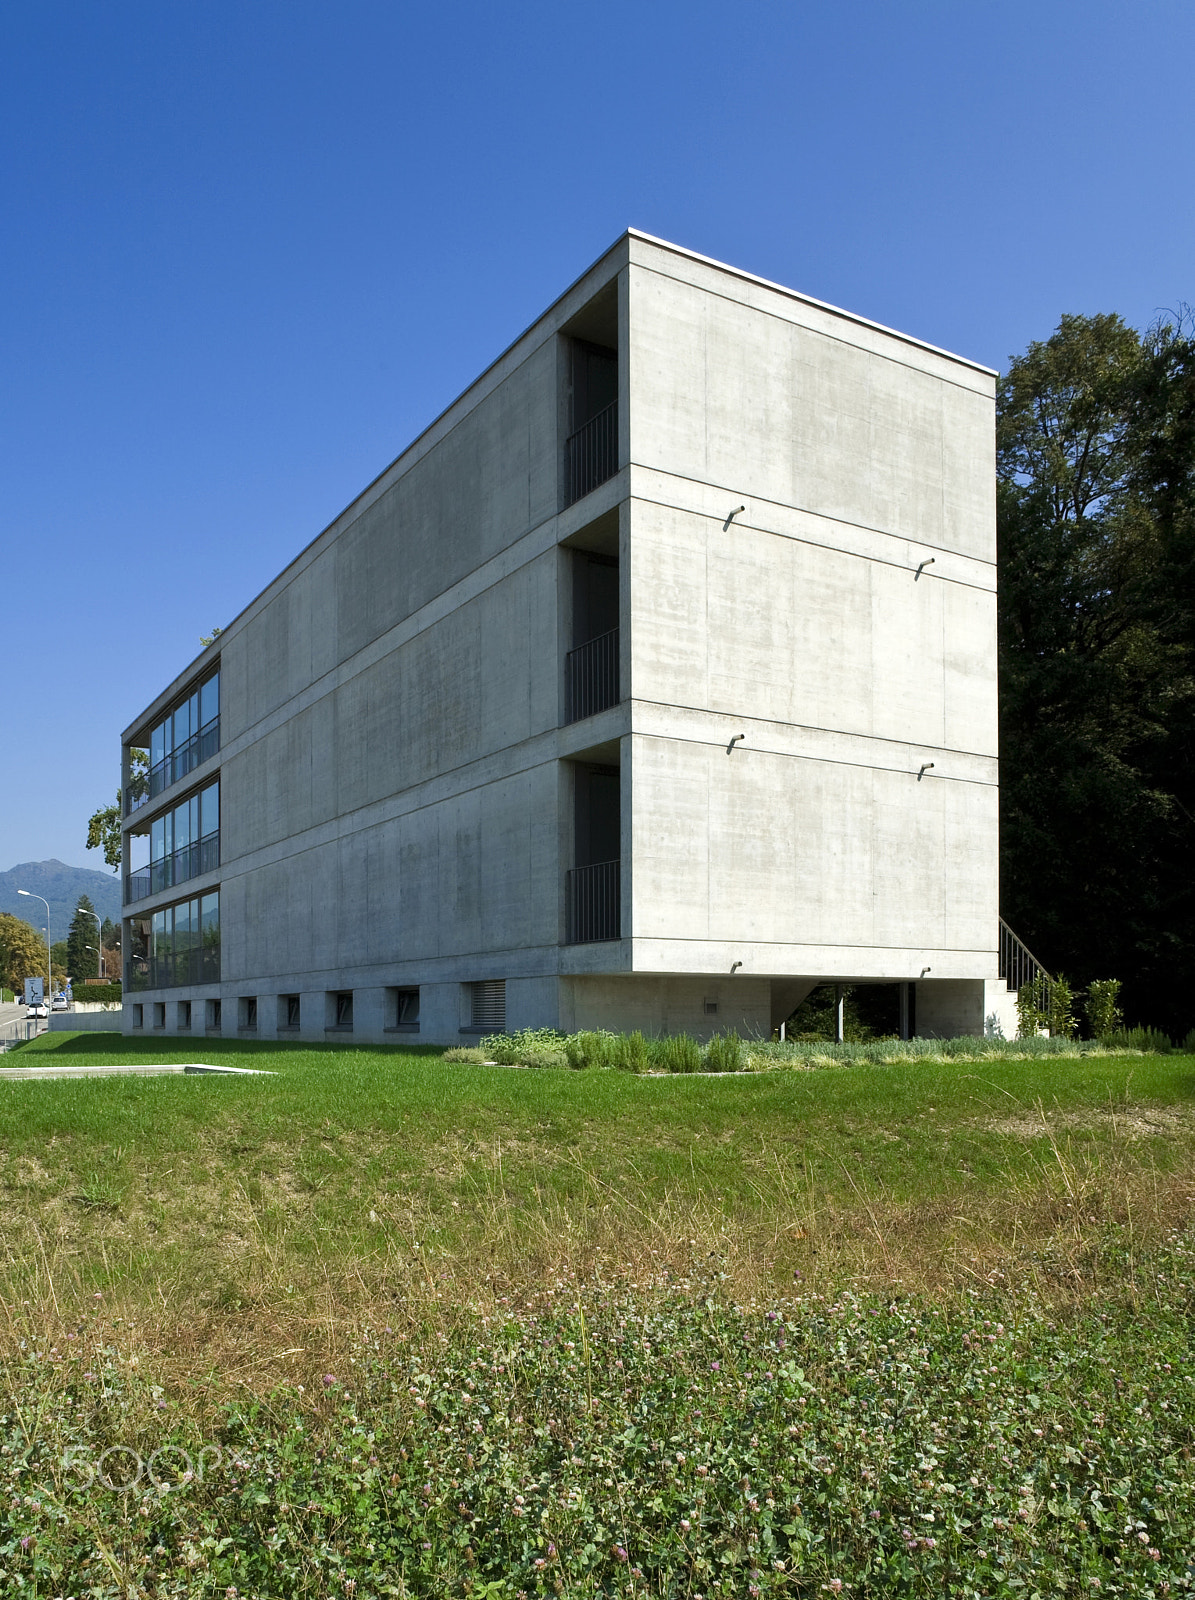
[[972, 1377], [605, 1443], [228, 1220]]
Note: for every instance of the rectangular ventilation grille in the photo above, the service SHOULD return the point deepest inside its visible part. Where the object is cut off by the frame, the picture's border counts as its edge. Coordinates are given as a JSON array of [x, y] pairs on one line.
[[488, 1004]]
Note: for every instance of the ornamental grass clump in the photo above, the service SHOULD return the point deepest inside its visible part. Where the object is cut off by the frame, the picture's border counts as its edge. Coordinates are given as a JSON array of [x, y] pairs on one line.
[[631, 1052], [677, 1052], [592, 1048], [724, 1053]]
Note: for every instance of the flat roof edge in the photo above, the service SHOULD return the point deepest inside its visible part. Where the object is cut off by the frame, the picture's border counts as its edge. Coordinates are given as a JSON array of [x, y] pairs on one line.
[[806, 299]]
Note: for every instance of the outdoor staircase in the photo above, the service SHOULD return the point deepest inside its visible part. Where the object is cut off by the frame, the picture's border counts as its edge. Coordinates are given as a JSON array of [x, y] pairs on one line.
[[1019, 966]]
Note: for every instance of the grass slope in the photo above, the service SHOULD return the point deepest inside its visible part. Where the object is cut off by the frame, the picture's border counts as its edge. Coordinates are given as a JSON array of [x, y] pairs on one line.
[[379, 1325]]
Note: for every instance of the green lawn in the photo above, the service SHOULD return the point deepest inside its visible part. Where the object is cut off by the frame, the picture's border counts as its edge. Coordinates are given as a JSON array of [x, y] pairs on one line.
[[387, 1172]]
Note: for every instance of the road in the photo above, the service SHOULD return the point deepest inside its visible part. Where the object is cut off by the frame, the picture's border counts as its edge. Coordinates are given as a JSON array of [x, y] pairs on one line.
[[12, 1021]]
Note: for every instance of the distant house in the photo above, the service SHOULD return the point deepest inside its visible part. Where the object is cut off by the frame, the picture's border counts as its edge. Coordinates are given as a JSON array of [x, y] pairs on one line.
[[653, 684]]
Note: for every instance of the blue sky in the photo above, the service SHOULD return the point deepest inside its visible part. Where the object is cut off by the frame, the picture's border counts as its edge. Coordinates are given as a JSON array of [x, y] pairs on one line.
[[247, 251]]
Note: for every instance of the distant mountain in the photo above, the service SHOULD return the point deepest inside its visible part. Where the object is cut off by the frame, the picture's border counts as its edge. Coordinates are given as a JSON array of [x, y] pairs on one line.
[[61, 886]]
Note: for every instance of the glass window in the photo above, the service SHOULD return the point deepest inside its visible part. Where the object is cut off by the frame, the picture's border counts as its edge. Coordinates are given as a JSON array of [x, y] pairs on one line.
[[209, 810], [176, 945], [157, 745], [209, 912], [182, 724], [157, 838], [209, 700], [181, 818]]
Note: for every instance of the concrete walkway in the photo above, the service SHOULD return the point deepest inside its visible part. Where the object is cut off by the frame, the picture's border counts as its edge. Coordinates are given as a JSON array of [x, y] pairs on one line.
[[133, 1069]]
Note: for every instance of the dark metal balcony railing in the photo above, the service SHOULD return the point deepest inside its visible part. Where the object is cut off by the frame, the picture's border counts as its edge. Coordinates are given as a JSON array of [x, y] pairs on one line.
[[175, 967], [199, 748], [594, 903], [591, 676], [593, 452], [189, 862]]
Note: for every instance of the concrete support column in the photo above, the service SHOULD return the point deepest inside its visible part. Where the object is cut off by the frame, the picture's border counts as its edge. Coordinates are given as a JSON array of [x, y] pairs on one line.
[[369, 1015], [311, 1015], [267, 1016], [904, 1010], [839, 1007]]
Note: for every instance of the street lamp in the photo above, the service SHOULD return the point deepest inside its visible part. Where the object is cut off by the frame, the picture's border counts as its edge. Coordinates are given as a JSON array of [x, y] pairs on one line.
[[46, 903], [82, 911]]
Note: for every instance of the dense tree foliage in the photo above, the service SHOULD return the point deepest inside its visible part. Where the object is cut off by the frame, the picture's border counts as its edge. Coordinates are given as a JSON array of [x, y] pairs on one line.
[[82, 961], [1096, 463], [22, 952]]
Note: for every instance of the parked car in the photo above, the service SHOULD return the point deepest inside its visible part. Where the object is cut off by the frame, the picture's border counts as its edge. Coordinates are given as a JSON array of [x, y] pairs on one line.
[[36, 1012], [60, 1003]]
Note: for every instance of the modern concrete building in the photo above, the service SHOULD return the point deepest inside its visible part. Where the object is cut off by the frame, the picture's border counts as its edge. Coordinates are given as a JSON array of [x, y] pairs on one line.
[[653, 684]]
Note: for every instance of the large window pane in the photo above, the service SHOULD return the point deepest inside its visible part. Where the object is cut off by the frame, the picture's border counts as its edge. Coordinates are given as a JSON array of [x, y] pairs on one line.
[[182, 826], [157, 744], [209, 700], [210, 919], [210, 810]]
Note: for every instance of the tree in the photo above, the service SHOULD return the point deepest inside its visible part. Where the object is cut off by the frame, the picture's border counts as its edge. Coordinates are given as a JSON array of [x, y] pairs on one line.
[[22, 951], [103, 833], [103, 826], [82, 962], [1097, 674]]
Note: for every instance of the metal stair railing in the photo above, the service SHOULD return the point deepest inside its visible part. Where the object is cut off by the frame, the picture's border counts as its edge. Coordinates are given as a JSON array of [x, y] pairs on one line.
[[1019, 966]]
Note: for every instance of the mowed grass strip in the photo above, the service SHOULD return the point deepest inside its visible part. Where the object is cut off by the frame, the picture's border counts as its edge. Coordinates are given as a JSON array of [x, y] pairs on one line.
[[238, 1217]]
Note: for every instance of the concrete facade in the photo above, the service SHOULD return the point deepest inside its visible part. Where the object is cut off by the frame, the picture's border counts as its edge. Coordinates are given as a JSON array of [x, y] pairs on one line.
[[794, 534]]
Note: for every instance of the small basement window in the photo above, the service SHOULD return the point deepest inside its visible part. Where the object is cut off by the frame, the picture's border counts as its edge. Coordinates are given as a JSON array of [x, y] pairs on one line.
[[183, 1019], [288, 1011], [212, 1019], [139, 1016], [247, 1011], [403, 1009], [340, 1009]]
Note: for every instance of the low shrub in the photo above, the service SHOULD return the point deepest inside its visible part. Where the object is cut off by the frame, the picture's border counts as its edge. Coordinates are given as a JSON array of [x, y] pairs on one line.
[[632, 1052], [1188, 1044], [1150, 1039], [465, 1052], [518, 1049], [98, 993], [677, 1052], [1103, 1013], [724, 1053], [593, 1047], [1061, 1017]]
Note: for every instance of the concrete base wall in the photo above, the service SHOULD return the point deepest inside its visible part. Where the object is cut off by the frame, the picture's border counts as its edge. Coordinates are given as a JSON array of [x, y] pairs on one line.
[[85, 1022], [660, 1005], [956, 1008], [654, 1004]]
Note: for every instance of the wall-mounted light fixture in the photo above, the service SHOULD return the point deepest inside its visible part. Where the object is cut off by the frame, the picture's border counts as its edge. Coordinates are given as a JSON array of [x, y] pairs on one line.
[[924, 970], [735, 968], [926, 766], [732, 516], [928, 562], [734, 741]]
